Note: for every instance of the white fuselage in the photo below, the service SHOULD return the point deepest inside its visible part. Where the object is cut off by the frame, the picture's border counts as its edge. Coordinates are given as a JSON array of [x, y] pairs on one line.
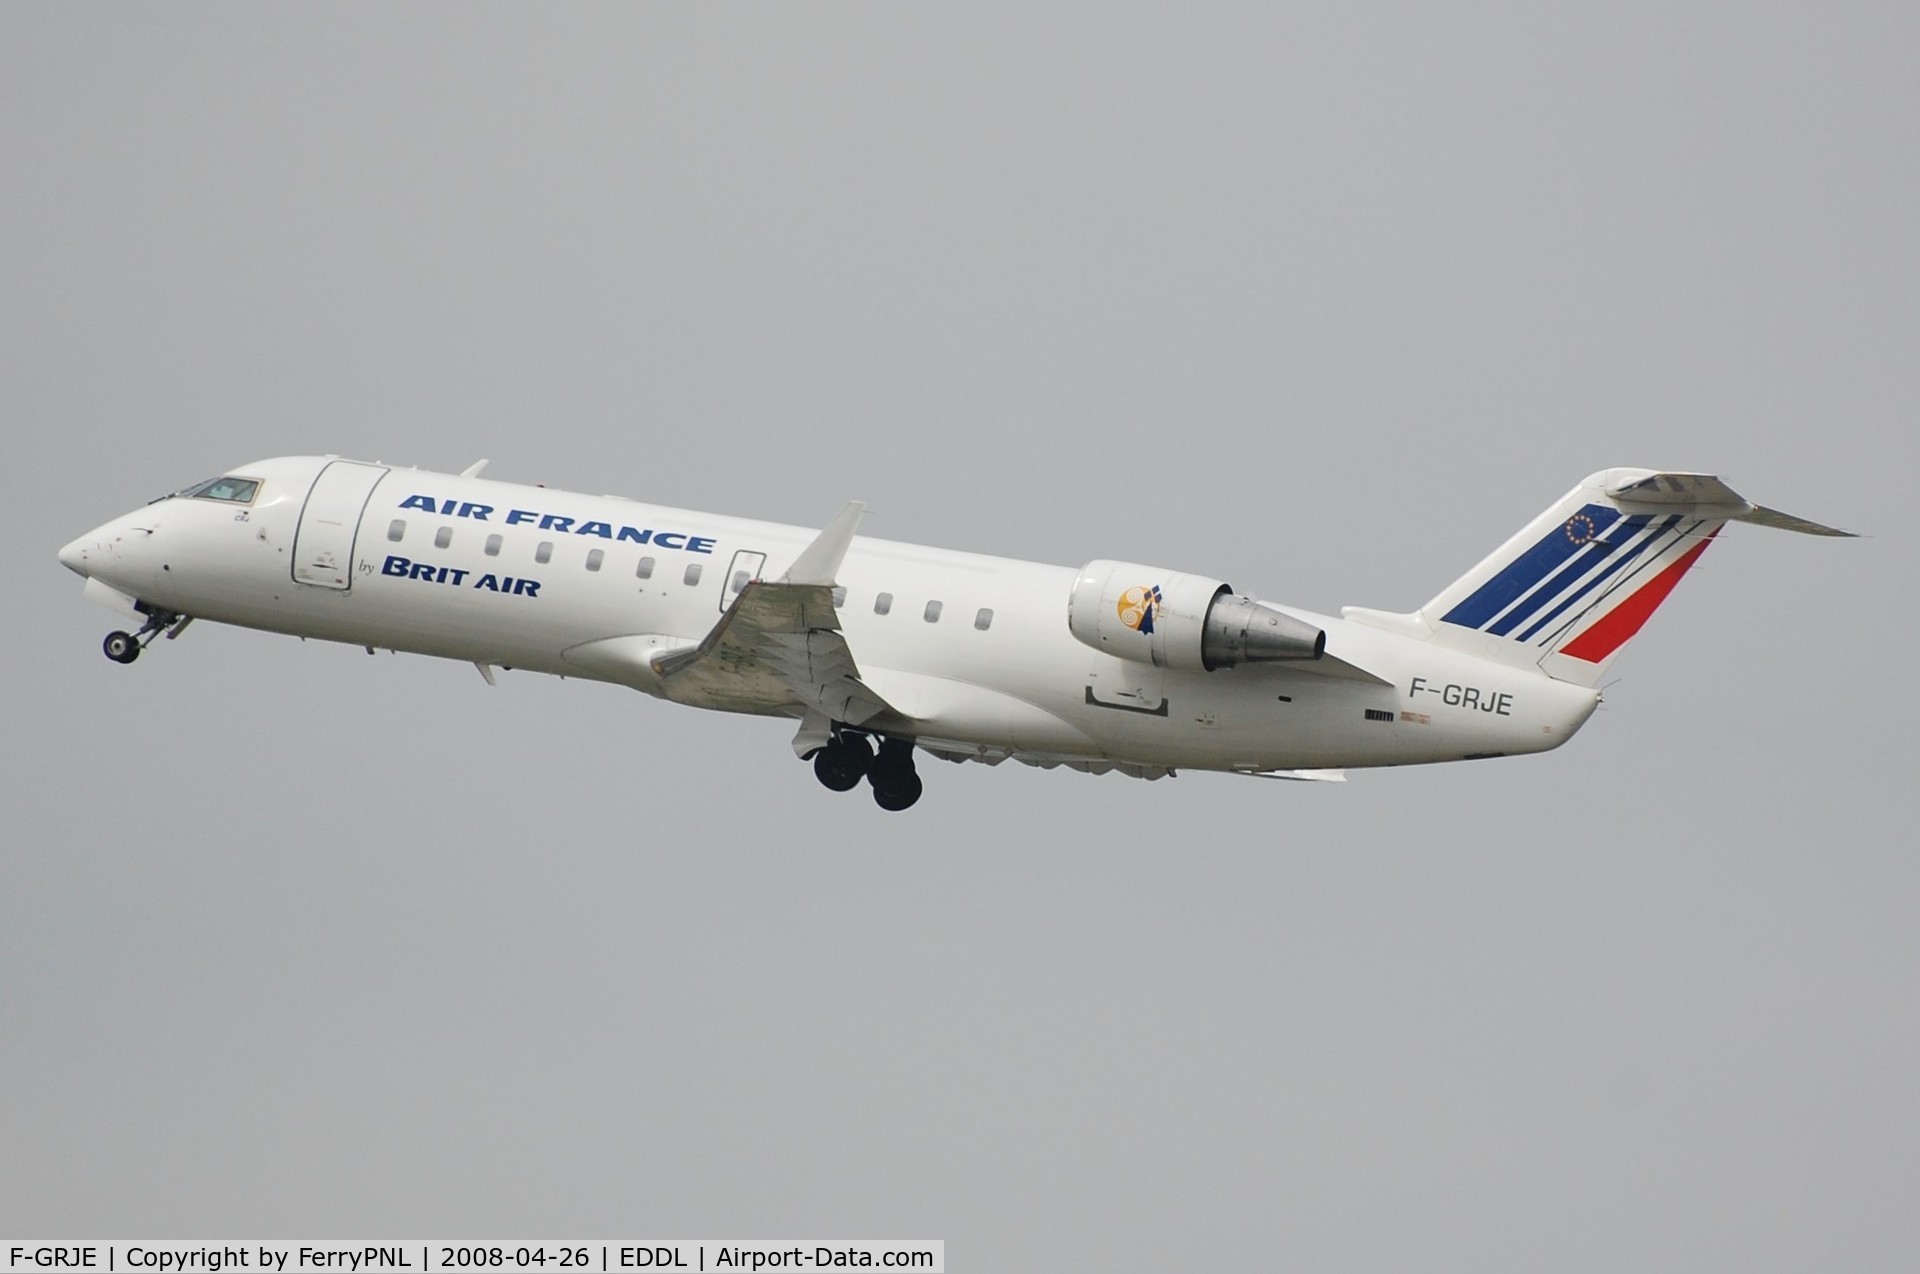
[[974, 650]]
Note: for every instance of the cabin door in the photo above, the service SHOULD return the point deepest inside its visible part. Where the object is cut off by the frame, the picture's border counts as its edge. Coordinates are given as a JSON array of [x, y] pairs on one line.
[[329, 523]]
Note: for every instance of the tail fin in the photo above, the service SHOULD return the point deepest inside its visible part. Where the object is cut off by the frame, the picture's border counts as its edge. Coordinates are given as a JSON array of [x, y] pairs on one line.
[[1571, 588]]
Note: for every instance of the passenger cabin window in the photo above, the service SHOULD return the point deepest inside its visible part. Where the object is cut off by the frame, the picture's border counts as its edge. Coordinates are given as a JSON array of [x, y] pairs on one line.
[[883, 603], [543, 553], [493, 546], [396, 529], [739, 583], [443, 537], [233, 490], [983, 618], [932, 615], [839, 595], [595, 557], [692, 576], [645, 569]]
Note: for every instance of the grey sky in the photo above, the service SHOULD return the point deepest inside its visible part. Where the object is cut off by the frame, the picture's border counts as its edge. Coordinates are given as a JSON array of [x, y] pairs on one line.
[[1323, 301]]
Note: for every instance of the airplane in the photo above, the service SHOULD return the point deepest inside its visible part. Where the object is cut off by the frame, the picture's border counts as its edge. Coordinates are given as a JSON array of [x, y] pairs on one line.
[[878, 649]]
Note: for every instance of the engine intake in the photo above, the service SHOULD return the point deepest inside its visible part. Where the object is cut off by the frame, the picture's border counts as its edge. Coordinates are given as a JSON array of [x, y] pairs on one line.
[[1185, 622]]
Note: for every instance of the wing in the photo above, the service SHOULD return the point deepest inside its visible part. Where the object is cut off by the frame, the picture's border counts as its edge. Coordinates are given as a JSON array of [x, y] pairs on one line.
[[778, 650]]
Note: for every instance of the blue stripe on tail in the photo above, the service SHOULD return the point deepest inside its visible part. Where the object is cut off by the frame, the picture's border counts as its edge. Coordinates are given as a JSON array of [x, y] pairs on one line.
[[1527, 570], [1625, 558], [1585, 560]]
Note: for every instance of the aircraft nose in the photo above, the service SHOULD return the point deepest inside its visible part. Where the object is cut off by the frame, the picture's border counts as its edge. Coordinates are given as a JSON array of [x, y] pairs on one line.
[[74, 555]]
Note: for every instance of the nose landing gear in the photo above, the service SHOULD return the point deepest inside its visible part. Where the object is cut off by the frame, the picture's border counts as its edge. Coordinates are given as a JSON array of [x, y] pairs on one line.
[[848, 758], [124, 648]]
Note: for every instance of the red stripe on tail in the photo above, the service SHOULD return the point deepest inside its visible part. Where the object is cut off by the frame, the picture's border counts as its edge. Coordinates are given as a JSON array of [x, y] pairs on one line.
[[1623, 621]]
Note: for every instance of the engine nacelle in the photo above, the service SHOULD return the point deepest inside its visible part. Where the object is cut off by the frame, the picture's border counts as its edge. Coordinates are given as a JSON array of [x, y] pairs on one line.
[[1186, 622]]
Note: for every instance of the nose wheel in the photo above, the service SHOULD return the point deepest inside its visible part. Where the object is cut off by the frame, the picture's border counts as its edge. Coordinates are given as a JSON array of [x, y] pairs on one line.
[[124, 647], [848, 758]]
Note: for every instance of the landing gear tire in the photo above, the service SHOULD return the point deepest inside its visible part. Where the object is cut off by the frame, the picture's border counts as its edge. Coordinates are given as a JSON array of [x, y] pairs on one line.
[[895, 785], [843, 763], [899, 793], [124, 648]]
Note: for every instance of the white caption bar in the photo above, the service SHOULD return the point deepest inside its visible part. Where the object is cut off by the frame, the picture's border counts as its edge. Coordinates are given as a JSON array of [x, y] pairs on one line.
[[465, 1256]]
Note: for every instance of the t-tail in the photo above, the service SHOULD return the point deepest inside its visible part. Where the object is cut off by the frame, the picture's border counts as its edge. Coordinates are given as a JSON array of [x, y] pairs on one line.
[[1573, 587]]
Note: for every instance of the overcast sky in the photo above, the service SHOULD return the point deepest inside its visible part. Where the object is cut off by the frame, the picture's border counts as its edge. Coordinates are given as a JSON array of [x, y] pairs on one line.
[[1323, 301]]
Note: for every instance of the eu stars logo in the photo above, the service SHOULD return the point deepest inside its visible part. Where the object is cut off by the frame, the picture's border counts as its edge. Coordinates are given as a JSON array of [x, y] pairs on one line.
[[1580, 529]]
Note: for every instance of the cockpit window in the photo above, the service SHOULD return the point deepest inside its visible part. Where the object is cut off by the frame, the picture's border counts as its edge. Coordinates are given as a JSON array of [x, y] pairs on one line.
[[234, 490]]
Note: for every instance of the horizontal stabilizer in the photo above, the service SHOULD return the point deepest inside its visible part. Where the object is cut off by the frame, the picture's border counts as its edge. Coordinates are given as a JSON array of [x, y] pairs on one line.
[[1761, 515], [1704, 493]]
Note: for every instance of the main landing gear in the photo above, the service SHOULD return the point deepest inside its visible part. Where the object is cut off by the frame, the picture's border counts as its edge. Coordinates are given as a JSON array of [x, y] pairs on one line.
[[848, 758], [124, 648]]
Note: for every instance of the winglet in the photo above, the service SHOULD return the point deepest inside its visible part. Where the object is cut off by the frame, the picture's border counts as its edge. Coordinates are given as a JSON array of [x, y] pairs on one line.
[[820, 561], [473, 470]]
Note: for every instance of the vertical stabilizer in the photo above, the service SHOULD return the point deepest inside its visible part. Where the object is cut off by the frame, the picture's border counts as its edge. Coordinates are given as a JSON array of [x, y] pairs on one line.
[[1573, 586]]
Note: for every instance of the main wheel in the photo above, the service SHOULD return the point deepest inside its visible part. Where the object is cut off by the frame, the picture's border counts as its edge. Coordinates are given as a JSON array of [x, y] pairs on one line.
[[899, 792], [122, 648], [895, 785], [842, 764]]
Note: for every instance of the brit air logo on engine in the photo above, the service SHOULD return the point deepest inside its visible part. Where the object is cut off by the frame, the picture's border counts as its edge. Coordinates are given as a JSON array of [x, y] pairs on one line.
[[1138, 606], [562, 525]]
